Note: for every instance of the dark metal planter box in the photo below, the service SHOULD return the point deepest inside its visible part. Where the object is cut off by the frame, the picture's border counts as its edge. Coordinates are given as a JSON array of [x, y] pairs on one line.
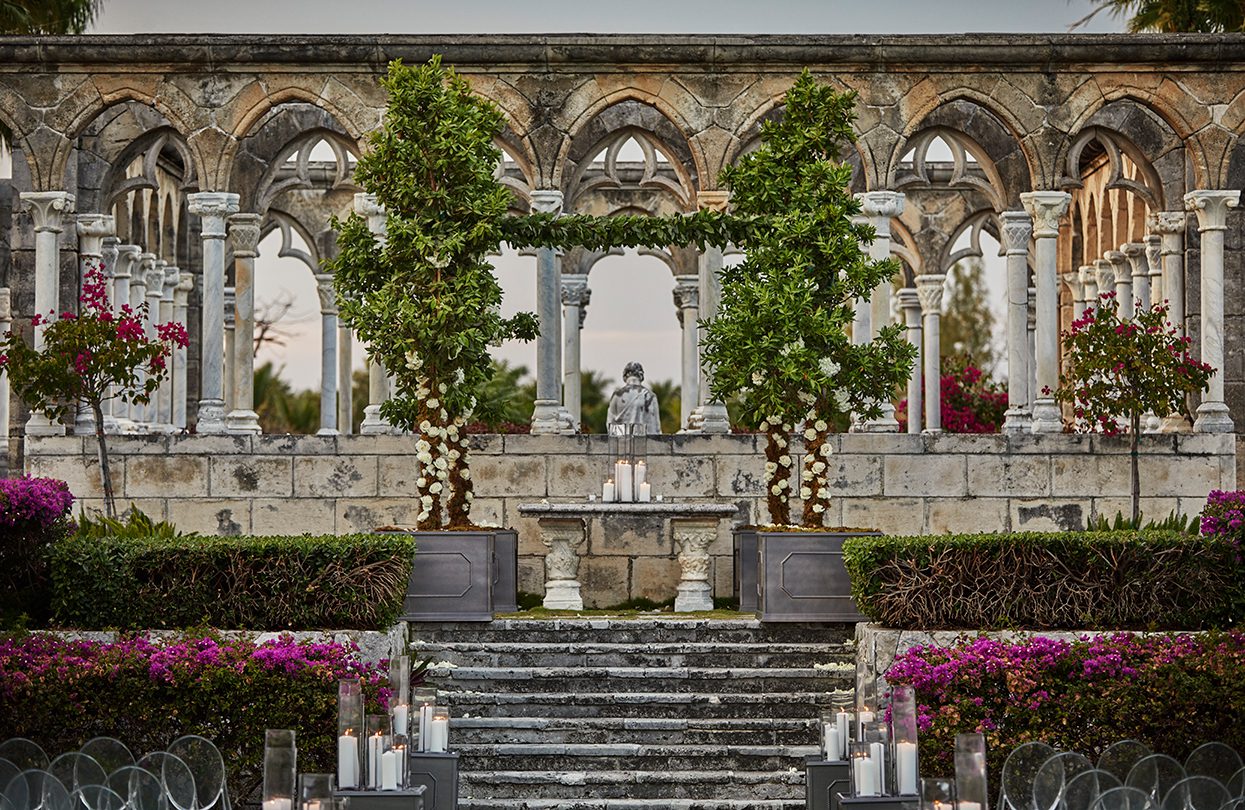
[[847, 802], [801, 578], [505, 571], [823, 781], [452, 579], [746, 569], [412, 799], [438, 773]]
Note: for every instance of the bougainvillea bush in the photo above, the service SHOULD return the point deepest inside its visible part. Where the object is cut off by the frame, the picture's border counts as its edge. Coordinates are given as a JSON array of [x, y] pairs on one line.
[[147, 693], [1171, 692], [1224, 517], [34, 514], [970, 401]]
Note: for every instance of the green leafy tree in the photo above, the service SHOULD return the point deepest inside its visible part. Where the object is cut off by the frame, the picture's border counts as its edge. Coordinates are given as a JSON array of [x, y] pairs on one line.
[[967, 321], [88, 359], [1174, 16], [47, 17], [780, 337], [1125, 368]]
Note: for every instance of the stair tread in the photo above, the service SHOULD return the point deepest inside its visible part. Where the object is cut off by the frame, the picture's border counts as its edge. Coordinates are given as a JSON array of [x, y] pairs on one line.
[[788, 776]]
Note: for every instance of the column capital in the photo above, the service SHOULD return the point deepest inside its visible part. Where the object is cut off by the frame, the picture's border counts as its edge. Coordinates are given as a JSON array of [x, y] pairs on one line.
[[1017, 230], [1086, 274], [546, 201], [6, 304], [127, 259], [929, 287], [185, 283], [1118, 263], [713, 200], [1154, 250], [881, 204], [1104, 272], [365, 204], [47, 207], [172, 276], [575, 290], [909, 298], [92, 228], [686, 293], [244, 234], [1072, 280], [1167, 222], [328, 295], [153, 279], [1135, 252], [1046, 208], [1211, 207], [213, 207], [231, 303]]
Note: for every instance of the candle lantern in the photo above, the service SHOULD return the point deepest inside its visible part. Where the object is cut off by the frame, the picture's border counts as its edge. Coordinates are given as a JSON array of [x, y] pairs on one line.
[[315, 791], [866, 702], [903, 731], [937, 794], [400, 694], [626, 478], [878, 736], [439, 731], [423, 702], [845, 720], [349, 732], [831, 742], [864, 770], [375, 744], [280, 770], [970, 772]]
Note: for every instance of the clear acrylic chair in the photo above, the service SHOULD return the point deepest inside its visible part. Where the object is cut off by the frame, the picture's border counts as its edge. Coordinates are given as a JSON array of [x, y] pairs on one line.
[[207, 766], [76, 769], [1155, 774], [25, 754], [1119, 758], [1214, 759], [175, 776], [140, 788], [1019, 770], [36, 789], [109, 752], [1124, 798], [1053, 777], [96, 797], [1196, 793], [1085, 788]]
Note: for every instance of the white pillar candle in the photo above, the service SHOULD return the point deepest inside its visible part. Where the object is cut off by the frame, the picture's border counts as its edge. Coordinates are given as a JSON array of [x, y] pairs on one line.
[[879, 761], [645, 493], [388, 773], [862, 717], [641, 473], [968, 805], [400, 713], [844, 721], [347, 761], [866, 775], [831, 744], [277, 804], [439, 735], [375, 747], [906, 769], [626, 493], [607, 491]]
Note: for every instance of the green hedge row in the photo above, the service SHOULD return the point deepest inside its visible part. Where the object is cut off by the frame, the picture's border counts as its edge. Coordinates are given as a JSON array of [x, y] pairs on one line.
[[1065, 580], [271, 583]]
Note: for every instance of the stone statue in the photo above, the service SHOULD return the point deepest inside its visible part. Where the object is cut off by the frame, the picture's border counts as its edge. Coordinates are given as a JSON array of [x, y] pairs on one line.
[[634, 403]]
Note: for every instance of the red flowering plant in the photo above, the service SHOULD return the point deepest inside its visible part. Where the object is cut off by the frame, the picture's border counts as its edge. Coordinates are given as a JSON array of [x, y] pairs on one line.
[[1118, 368], [89, 358], [969, 402]]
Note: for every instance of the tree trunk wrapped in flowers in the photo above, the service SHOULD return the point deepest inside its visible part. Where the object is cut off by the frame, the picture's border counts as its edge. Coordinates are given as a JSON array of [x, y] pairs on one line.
[[89, 358], [779, 340], [1118, 368]]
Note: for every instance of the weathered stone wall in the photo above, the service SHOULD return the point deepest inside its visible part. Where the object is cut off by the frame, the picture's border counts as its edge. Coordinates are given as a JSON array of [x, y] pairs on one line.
[[896, 483]]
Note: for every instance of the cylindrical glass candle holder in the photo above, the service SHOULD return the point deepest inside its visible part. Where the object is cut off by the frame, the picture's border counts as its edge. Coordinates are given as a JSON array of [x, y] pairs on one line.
[[400, 677], [439, 731], [937, 794], [393, 765], [866, 702], [315, 790], [376, 743], [903, 731], [349, 732], [831, 742], [423, 701], [399, 715], [971, 792], [845, 719], [280, 770], [877, 734], [865, 779]]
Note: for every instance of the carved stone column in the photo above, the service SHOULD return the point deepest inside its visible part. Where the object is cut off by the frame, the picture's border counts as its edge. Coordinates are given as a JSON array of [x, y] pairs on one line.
[[345, 379], [244, 239], [154, 278], [1104, 275], [231, 322], [1170, 227], [1123, 283], [929, 287], [213, 207], [1031, 363], [692, 539], [6, 323], [328, 355], [125, 261], [562, 536], [1154, 264], [687, 306], [138, 301], [1046, 208], [910, 303], [1089, 289], [880, 207], [1211, 207], [172, 277], [377, 380], [862, 315], [545, 415], [710, 415], [575, 297], [92, 229], [1139, 273], [181, 308], [46, 210], [1017, 229]]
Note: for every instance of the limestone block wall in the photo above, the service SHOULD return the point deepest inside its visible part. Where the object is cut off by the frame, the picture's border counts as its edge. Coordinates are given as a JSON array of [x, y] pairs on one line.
[[893, 482]]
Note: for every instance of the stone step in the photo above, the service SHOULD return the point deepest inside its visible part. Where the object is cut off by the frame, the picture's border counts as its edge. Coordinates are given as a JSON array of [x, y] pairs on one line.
[[612, 756], [644, 731], [610, 654], [631, 804], [736, 785], [781, 705], [572, 631], [583, 680]]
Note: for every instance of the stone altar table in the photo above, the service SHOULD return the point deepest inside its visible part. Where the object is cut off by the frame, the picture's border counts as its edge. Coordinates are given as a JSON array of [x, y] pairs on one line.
[[683, 529]]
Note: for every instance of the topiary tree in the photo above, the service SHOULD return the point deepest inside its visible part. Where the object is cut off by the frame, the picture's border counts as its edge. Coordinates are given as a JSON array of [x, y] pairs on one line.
[[780, 338], [1117, 368]]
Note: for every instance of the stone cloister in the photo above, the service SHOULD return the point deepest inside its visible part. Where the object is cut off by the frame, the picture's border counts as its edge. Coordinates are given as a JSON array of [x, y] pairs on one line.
[[1096, 162]]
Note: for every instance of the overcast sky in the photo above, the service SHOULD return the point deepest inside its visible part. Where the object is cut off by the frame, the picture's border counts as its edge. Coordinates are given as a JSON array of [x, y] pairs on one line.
[[632, 315]]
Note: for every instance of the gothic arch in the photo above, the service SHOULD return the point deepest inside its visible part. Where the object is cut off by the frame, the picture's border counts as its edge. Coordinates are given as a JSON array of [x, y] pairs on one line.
[[748, 137]]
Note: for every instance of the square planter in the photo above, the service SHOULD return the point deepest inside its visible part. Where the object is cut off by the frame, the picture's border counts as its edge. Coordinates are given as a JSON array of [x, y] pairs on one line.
[[746, 569], [438, 774], [801, 577], [412, 799], [824, 780], [452, 579], [505, 571]]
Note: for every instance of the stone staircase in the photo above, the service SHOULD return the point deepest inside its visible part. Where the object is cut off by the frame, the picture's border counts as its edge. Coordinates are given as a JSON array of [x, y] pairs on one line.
[[622, 714]]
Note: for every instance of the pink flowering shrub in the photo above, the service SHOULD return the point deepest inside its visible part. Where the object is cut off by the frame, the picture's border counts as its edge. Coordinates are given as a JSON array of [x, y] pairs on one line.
[[1224, 517], [970, 402], [147, 693], [34, 513], [1171, 692]]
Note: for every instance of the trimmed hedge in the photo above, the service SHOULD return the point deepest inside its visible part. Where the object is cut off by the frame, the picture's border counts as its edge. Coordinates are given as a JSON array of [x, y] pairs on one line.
[[269, 583], [1066, 580]]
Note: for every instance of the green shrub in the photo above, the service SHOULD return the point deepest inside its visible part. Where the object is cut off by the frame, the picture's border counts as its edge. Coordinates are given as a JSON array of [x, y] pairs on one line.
[[135, 524], [1063, 580], [268, 583]]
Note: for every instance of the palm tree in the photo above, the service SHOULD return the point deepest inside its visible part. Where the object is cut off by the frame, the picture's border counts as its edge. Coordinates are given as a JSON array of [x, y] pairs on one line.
[[1175, 16], [47, 17]]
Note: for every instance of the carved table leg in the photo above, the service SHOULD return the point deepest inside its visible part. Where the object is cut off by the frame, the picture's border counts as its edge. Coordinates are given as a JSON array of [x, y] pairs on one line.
[[562, 536], [692, 538]]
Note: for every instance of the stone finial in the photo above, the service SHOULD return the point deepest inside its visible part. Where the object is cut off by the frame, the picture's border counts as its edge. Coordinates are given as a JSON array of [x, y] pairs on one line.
[[1046, 208], [47, 207], [1211, 207], [713, 200], [929, 287], [213, 207], [244, 234], [546, 201], [1017, 230]]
